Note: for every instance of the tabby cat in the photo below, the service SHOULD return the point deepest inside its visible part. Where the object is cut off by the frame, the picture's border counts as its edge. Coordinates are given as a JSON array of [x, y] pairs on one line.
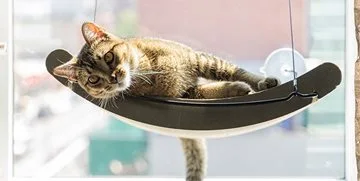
[[108, 66]]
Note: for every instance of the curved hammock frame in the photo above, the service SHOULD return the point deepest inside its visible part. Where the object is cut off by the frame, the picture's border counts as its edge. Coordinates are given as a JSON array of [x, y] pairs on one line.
[[213, 118]]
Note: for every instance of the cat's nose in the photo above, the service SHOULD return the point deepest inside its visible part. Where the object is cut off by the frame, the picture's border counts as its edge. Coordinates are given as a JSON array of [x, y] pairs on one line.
[[112, 80], [119, 76]]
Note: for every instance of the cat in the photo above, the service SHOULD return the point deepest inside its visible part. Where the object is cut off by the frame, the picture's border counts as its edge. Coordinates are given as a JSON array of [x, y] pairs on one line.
[[108, 65]]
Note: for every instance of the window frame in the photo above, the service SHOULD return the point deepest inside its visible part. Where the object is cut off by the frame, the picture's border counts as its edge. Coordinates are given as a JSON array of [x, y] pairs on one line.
[[7, 91]]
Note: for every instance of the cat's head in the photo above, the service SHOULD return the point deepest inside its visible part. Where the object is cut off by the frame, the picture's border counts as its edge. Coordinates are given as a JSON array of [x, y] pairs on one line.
[[102, 68]]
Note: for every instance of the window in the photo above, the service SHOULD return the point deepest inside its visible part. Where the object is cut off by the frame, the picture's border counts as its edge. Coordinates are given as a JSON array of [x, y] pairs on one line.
[[58, 134]]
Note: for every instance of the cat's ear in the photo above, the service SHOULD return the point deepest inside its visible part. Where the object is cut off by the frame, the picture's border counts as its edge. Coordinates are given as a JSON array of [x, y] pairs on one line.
[[68, 70], [92, 33]]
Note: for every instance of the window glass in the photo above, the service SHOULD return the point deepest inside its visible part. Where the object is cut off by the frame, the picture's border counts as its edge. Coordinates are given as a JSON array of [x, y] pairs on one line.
[[56, 133]]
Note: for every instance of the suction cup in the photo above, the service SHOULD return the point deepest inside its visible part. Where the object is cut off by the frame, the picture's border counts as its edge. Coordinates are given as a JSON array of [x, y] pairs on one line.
[[279, 64]]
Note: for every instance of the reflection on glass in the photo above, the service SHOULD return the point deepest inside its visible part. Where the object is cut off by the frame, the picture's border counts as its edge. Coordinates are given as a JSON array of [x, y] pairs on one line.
[[58, 134]]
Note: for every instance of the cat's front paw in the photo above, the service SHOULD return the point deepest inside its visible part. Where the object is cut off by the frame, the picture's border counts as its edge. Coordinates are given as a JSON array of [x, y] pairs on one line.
[[267, 83], [234, 89]]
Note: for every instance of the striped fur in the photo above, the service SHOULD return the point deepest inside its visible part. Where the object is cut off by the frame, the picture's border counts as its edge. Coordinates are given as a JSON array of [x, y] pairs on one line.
[[214, 68], [195, 156], [157, 67]]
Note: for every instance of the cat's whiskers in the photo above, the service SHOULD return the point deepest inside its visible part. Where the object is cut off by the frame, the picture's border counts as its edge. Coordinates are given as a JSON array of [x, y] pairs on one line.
[[122, 95], [101, 103], [108, 99], [105, 101], [87, 96], [144, 78], [147, 78], [134, 81], [143, 75], [147, 72], [98, 101], [124, 92], [113, 101]]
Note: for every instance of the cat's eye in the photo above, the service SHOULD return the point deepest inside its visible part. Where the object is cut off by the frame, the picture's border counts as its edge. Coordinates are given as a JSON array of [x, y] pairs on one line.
[[109, 57], [93, 79]]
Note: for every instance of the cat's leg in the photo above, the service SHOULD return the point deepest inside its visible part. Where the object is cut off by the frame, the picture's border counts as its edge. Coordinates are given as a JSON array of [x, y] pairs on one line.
[[257, 82], [214, 68], [220, 90], [195, 149], [195, 157]]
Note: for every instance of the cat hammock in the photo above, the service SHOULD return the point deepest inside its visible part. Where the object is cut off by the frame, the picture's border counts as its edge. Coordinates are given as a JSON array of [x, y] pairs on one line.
[[215, 117], [192, 118]]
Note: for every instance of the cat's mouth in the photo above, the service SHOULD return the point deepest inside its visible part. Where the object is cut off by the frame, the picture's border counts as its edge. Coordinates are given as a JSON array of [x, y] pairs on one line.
[[114, 90], [105, 94], [121, 85], [124, 84]]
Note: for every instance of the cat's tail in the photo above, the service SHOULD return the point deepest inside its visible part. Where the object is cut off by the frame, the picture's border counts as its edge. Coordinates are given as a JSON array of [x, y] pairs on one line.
[[214, 68], [195, 156]]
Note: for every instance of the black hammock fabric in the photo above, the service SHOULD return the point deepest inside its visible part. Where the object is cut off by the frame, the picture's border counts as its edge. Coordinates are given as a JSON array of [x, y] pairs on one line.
[[217, 114]]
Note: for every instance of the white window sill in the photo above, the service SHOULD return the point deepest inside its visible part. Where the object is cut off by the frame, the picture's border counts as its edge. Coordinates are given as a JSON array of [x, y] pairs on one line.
[[178, 179]]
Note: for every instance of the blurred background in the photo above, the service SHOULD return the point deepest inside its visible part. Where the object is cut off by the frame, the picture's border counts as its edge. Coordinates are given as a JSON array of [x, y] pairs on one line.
[[57, 134]]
